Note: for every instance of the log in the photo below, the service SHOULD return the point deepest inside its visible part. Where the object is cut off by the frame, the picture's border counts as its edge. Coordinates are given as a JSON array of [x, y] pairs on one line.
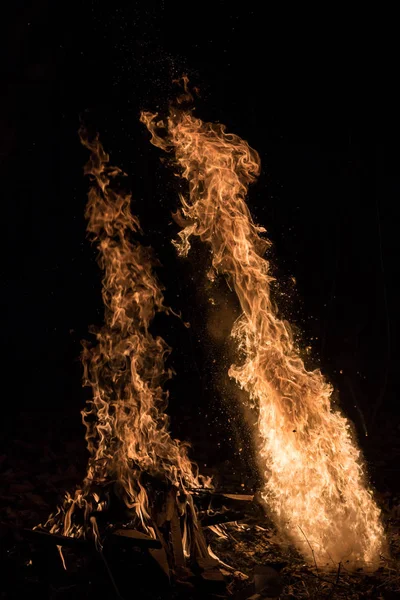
[[176, 540], [225, 517], [204, 500], [121, 536], [48, 539], [131, 537]]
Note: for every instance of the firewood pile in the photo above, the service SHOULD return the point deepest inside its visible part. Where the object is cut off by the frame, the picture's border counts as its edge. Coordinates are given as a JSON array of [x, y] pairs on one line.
[[160, 568], [236, 552]]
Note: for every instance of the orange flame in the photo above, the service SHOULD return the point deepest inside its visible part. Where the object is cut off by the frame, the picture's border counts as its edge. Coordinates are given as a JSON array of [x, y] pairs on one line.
[[314, 480], [126, 427]]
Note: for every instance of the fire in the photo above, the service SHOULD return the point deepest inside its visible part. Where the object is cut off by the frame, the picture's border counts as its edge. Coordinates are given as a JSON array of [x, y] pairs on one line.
[[314, 478], [126, 426]]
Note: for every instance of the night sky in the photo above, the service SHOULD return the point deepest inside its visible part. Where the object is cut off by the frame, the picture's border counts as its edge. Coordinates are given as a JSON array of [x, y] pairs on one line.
[[315, 102]]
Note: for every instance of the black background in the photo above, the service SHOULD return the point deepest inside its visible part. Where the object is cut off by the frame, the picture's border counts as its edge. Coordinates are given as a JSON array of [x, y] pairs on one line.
[[312, 93]]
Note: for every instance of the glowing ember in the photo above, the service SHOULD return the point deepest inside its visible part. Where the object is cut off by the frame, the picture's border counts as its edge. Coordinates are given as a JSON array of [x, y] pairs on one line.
[[314, 481], [126, 427]]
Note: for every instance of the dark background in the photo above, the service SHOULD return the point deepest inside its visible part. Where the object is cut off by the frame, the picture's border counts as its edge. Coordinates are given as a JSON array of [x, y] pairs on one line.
[[314, 94]]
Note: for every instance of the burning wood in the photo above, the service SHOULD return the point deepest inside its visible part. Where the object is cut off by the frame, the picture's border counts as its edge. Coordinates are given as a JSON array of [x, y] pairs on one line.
[[137, 491], [143, 506], [141, 491], [128, 537]]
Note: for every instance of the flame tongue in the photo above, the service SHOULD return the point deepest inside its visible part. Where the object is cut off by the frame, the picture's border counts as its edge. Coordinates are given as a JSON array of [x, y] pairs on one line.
[[314, 480], [127, 429]]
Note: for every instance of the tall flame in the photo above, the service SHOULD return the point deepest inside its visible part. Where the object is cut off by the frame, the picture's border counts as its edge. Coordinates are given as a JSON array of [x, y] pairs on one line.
[[314, 481], [126, 427]]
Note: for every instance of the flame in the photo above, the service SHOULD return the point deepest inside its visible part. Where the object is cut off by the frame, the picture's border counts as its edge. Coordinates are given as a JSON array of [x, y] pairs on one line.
[[126, 426], [314, 478]]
